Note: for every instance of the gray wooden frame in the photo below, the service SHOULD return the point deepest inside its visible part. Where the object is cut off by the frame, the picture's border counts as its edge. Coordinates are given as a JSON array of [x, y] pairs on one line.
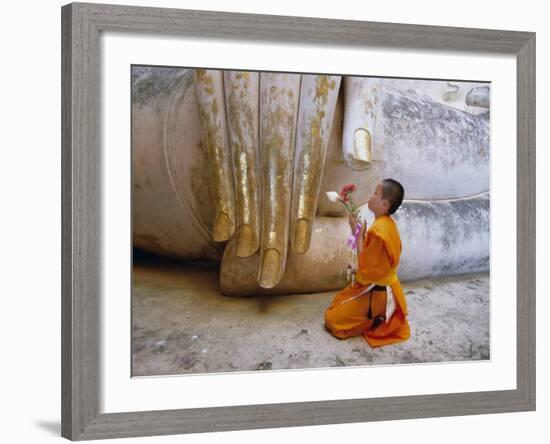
[[81, 168]]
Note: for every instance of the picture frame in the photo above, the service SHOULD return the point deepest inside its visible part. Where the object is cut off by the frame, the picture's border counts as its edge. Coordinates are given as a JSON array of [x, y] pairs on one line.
[[81, 181]]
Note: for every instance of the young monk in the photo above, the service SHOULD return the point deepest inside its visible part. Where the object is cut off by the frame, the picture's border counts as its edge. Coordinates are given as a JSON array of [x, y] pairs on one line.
[[375, 306]]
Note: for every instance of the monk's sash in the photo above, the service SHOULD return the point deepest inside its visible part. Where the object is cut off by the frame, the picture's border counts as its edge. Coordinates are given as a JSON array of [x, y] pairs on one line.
[[387, 282]]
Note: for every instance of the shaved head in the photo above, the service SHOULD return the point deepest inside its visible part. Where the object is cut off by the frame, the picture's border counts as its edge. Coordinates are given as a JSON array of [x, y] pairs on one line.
[[393, 192]]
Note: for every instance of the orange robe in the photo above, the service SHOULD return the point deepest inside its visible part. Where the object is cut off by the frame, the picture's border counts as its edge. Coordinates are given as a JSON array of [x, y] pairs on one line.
[[377, 264]]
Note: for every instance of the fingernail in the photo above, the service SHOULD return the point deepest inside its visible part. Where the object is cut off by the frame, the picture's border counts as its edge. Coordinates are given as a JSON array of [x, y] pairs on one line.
[[245, 242], [362, 149], [269, 273], [222, 228], [301, 236]]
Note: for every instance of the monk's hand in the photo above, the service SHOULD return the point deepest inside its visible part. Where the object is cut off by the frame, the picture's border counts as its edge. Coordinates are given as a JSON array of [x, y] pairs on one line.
[[361, 238], [267, 136], [363, 229]]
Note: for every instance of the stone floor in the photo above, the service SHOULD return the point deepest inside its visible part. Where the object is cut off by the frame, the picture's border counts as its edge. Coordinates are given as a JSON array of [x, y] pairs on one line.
[[182, 324]]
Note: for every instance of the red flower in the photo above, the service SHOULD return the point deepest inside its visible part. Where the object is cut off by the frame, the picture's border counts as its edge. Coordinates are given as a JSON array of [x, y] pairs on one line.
[[349, 188], [346, 190]]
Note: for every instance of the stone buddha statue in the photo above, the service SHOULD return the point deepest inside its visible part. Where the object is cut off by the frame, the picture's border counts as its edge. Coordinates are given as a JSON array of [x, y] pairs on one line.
[[234, 166]]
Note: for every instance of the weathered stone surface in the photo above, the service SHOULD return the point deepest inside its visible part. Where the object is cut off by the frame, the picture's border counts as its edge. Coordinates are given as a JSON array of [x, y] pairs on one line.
[[182, 324], [441, 237]]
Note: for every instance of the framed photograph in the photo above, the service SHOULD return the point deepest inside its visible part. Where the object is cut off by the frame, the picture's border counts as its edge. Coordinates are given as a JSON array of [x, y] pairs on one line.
[[273, 221]]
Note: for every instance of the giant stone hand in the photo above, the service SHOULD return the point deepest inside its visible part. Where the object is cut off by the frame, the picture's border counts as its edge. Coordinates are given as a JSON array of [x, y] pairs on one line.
[[266, 136], [232, 167]]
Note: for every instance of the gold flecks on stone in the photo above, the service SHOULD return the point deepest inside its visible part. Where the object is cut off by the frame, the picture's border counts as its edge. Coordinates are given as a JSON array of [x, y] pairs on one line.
[[362, 145], [246, 241], [222, 228], [301, 236], [270, 266]]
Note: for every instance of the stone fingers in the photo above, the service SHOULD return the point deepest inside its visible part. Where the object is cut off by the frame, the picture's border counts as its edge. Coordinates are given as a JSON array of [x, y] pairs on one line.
[[266, 136], [361, 101], [242, 93], [279, 96], [318, 97], [210, 97]]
